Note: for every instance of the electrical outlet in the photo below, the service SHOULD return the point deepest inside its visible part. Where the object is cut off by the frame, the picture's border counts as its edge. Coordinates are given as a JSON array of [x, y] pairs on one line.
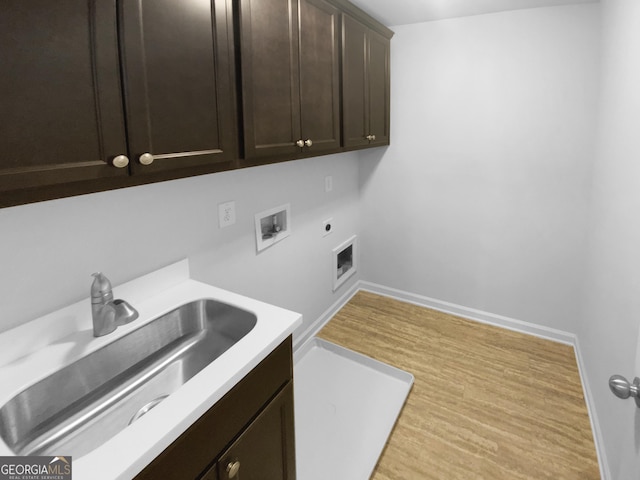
[[226, 214], [327, 227]]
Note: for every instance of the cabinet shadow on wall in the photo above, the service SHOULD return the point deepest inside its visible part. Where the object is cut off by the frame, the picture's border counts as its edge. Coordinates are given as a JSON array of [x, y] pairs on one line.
[[369, 162]]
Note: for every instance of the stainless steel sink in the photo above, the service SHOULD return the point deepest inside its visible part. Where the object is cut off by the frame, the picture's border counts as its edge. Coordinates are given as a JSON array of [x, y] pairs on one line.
[[89, 401]]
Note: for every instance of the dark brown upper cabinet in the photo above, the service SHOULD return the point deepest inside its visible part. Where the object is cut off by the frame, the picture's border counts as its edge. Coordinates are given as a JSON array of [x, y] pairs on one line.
[[104, 94], [178, 90], [289, 52], [61, 104], [88, 87], [365, 84]]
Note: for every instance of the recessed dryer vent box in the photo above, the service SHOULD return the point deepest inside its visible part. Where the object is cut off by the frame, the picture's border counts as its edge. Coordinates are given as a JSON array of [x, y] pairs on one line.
[[272, 226], [344, 262]]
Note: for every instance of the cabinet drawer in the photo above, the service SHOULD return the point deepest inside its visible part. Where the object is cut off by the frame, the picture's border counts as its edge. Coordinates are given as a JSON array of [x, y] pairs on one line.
[[191, 453]]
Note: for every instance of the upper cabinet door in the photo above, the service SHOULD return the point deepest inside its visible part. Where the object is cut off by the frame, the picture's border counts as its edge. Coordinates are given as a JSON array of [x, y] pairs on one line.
[[270, 77], [320, 75], [178, 84], [365, 83], [355, 83], [61, 108], [379, 101], [290, 77]]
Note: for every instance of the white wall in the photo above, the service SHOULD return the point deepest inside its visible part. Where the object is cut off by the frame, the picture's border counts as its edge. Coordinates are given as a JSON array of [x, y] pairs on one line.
[[608, 332], [481, 200], [49, 250]]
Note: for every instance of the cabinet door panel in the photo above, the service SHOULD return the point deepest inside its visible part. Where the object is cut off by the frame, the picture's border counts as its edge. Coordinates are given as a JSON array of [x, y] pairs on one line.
[[265, 450], [270, 78], [177, 80], [62, 119], [319, 74], [355, 83], [379, 88]]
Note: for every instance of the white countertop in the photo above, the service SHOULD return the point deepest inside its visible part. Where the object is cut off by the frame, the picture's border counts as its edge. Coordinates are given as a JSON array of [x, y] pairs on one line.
[[34, 350]]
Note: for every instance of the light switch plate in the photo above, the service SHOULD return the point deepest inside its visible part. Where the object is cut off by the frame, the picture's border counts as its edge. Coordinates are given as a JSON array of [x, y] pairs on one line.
[[226, 214]]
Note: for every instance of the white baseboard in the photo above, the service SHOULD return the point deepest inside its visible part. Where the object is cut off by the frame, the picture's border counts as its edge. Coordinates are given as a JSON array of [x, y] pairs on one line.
[[483, 317], [605, 472], [472, 314]]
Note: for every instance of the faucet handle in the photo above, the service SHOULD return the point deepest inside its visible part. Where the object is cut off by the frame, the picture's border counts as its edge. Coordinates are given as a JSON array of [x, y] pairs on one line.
[[101, 289]]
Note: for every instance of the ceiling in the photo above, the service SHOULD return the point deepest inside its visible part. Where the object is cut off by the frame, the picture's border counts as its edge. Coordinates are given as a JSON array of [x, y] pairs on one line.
[[401, 12]]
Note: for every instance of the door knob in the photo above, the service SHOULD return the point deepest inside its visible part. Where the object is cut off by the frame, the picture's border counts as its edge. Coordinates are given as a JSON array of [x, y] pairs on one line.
[[120, 161], [146, 159], [621, 388], [308, 142]]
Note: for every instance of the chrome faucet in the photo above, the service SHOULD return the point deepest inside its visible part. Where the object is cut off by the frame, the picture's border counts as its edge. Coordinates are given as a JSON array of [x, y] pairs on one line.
[[107, 313]]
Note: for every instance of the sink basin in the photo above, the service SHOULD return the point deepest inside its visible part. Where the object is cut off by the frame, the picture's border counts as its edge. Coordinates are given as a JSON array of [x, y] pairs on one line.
[[82, 405]]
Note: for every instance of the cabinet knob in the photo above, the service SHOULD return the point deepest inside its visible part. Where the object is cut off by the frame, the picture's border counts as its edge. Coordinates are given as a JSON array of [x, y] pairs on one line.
[[300, 143], [146, 159], [233, 468], [308, 142], [373, 138], [120, 161]]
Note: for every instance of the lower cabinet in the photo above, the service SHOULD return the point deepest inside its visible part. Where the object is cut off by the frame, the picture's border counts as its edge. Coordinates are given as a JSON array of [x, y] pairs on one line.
[[264, 451], [248, 434]]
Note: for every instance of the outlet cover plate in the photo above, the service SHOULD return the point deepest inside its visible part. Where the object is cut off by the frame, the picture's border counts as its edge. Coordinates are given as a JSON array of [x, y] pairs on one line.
[[226, 214]]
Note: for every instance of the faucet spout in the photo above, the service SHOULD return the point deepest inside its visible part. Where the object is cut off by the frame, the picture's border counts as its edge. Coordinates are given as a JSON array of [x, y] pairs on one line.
[[108, 314], [125, 313]]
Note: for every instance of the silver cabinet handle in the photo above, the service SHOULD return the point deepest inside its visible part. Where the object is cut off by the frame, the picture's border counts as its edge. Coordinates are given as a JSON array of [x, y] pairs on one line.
[[233, 468], [308, 142], [120, 161], [146, 159], [373, 138], [300, 143], [621, 388]]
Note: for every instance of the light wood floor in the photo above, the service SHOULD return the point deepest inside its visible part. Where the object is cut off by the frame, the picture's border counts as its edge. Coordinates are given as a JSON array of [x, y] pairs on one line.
[[487, 403]]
